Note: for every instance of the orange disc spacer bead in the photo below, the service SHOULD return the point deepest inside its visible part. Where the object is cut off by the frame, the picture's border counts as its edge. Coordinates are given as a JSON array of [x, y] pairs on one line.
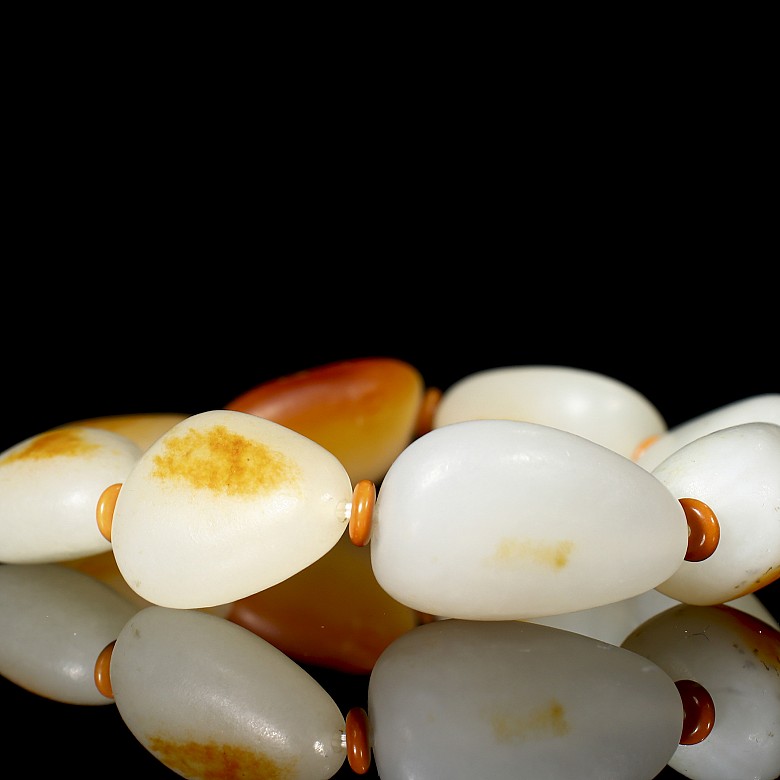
[[699, 712], [103, 671], [703, 529], [104, 512], [360, 517], [358, 750], [430, 402], [639, 450]]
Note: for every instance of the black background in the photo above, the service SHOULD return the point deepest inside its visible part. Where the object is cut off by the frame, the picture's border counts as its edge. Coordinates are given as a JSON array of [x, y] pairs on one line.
[[197, 336]]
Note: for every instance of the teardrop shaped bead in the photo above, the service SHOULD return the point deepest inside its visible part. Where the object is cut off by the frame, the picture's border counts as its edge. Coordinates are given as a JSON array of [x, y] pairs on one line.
[[50, 485], [504, 699], [758, 408], [54, 622], [210, 699], [736, 473], [498, 519], [587, 403], [364, 411], [736, 658], [142, 428], [224, 505]]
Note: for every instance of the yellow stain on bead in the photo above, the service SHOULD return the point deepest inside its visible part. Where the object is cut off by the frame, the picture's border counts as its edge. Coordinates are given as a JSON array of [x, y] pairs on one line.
[[54, 444], [555, 555], [224, 462], [212, 760], [549, 720]]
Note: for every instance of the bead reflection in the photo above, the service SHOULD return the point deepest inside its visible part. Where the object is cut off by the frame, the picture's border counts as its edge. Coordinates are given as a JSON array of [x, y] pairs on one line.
[[210, 699], [466, 699], [736, 657], [54, 621]]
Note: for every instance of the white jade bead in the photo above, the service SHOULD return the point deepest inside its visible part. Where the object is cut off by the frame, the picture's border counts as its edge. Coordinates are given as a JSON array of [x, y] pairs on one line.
[[758, 408], [208, 697], [50, 486], [587, 403], [223, 505], [501, 700], [54, 623], [498, 519], [736, 472], [738, 662]]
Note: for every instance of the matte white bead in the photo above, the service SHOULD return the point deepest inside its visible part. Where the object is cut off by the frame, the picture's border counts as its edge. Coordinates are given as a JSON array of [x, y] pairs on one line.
[[54, 623], [50, 486], [211, 699], [737, 660], [497, 519], [758, 408], [587, 403], [501, 700], [736, 472], [224, 505]]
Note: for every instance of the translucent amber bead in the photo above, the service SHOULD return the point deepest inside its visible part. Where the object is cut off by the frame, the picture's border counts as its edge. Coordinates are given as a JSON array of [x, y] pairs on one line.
[[333, 613], [364, 411]]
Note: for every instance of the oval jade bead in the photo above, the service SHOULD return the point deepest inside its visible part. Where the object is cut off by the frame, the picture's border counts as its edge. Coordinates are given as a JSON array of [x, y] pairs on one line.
[[332, 614], [587, 403], [498, 519], [210, 699], [736, 473], [364, 411], [509, 699], [50, 486], [224, 505], [757, 408]]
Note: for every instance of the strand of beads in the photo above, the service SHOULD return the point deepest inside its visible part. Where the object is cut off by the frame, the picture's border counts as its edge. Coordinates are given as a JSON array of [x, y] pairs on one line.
[[476, 514]]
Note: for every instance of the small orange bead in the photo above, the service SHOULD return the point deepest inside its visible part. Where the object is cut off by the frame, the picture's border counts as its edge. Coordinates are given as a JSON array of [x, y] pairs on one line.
[[363, 501], [703, 529], [104, 512], [430, 402], [643, 446], [698, 710], [103, 671], [358, 749]]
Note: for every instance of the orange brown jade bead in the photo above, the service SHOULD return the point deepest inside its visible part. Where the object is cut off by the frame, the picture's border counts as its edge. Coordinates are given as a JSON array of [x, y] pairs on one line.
[[332, 614], [364, 411]]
